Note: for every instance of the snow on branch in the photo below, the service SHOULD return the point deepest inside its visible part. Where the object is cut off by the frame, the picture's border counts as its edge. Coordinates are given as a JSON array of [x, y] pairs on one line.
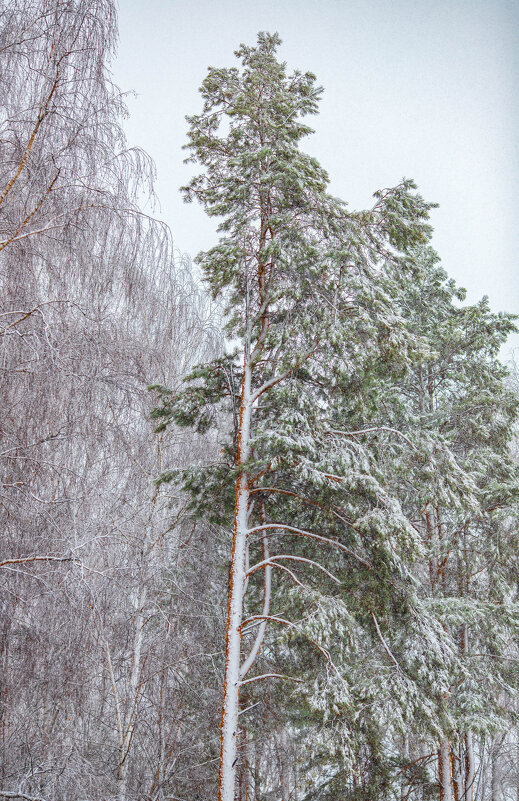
[[10, 794], [384, 643], [302, 533], [267, 592], [371, 430], [277, 379], [328, 509], [271, 561], [276, 619], [271, 676], [24, 559]]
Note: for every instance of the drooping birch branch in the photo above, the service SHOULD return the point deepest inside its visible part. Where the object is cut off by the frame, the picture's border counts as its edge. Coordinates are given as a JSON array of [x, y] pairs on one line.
[[44, 110], [16, 236], [9, 794]]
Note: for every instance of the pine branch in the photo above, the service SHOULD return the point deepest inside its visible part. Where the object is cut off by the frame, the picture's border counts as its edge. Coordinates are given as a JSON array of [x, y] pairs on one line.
[[301, 532]]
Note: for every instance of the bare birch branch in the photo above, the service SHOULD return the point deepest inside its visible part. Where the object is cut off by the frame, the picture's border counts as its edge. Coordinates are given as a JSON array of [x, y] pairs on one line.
[[9, 794], [24, 559]]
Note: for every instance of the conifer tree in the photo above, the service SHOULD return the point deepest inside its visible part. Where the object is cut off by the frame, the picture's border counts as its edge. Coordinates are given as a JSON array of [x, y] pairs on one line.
[[309, 305], [454, 476]]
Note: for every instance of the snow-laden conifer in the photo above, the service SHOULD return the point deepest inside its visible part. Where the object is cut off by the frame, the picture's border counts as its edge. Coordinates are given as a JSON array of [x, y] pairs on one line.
[[309, 302]]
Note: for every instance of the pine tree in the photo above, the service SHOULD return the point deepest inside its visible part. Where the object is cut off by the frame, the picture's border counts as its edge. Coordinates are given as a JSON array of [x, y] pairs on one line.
[[457, 482], [307, 300]]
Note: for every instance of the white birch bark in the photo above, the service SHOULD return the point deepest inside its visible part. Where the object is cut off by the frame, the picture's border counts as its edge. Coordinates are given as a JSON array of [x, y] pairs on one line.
[[125, 724], [230, 708]]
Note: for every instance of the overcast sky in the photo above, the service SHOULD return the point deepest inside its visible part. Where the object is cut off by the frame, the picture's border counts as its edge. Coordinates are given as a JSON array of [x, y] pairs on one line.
[[426, 89]]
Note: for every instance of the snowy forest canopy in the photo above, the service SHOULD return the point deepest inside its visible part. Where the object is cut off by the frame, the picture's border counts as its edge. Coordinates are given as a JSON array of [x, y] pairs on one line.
[[310, 521]]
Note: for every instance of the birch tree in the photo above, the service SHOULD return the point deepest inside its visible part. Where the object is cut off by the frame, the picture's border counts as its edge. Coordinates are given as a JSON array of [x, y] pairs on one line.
[[94, 303]]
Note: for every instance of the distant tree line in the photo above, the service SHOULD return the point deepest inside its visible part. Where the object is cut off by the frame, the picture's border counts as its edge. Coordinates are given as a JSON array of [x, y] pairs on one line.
[[320, 537]]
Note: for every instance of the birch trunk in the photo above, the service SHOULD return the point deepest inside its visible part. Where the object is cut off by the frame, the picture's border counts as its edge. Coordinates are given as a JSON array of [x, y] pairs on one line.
[[231, 690], [125, 723]]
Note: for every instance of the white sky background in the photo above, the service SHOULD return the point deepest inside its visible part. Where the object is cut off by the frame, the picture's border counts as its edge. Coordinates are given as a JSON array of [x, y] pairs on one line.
[[426, 89]]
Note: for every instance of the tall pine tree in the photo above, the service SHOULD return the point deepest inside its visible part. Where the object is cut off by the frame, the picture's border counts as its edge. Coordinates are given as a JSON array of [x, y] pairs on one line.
[[309, 300]]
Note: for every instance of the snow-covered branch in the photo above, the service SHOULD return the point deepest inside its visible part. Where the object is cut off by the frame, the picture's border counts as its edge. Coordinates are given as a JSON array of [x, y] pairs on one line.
[[384, 643], [271, 676], [24, 559], [276, 619], [267, 591], [302, 533], [266, 563], [330, 510], [372, 430]]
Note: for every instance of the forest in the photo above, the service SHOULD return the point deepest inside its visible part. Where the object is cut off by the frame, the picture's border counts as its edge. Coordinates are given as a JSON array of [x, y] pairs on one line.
[[260, 511]]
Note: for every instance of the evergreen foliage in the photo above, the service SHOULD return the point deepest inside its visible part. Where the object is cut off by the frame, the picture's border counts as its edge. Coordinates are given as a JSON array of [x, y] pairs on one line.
[[355, 368]]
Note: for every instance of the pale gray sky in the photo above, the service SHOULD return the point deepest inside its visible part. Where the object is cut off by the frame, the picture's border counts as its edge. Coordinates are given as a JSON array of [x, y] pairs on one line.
[[426, 89]]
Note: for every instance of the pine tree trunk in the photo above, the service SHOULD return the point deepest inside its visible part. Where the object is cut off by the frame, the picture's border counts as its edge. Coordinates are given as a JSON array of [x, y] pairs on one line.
[[494, 768], [444, 771], [284, 765], [230, 708], [470, 772]]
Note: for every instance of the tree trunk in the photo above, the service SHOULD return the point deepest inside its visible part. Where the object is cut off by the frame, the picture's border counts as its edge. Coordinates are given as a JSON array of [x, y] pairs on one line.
[[444, 771], [284, 765], [257, 773], [494, 768], [230, 707], [470, 772]]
